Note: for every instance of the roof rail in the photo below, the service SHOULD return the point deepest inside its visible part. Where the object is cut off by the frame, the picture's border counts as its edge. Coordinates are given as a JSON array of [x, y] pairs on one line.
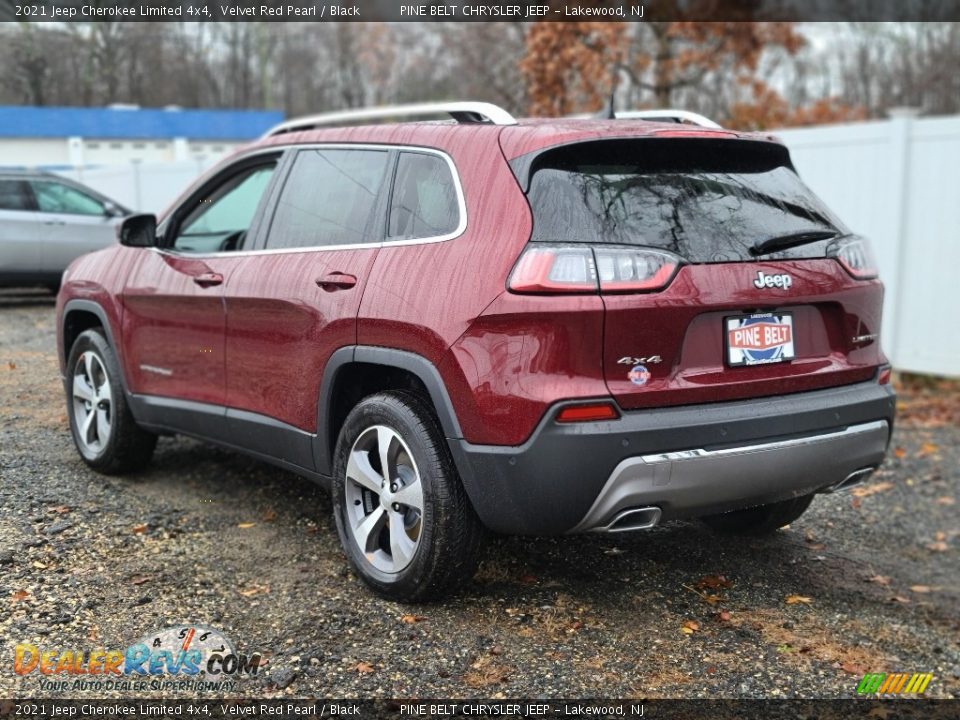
[[678, 116], [462, 112]]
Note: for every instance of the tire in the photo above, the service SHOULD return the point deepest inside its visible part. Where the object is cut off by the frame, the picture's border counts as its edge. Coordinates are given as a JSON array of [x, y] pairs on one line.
[[105, 433], [760, 520], [402, 552]]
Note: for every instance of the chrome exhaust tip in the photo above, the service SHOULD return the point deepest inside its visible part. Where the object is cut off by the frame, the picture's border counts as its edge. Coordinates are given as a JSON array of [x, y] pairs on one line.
[[633, 519], [857, 477]]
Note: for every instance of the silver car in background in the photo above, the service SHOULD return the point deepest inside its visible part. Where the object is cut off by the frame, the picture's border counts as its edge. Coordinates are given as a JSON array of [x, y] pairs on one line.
[[45, 222]]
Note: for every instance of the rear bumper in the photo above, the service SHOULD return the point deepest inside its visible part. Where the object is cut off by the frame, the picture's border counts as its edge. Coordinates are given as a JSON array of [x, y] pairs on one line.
[[687, 461]]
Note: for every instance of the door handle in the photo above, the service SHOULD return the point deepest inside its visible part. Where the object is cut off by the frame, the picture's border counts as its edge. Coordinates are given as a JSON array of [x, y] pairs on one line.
[[334, 281], [208, 279], [54, 222]]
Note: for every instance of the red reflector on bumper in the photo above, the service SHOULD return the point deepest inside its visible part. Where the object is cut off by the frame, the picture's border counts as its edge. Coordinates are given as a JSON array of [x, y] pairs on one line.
[[884, 377], [588, 413]]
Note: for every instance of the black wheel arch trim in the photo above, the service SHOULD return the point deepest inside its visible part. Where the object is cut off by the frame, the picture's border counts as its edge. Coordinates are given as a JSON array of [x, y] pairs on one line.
[[415, 364], [94, 308]]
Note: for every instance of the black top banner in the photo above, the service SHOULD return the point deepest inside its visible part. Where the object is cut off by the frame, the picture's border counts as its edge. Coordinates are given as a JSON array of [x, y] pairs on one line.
[[479, 11]]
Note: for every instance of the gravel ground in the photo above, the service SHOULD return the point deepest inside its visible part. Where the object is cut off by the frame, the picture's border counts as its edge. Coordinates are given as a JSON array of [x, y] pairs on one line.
[[861, 583]]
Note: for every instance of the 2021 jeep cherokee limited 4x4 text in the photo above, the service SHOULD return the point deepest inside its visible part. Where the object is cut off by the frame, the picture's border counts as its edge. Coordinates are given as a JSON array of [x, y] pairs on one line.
[[536, 327]]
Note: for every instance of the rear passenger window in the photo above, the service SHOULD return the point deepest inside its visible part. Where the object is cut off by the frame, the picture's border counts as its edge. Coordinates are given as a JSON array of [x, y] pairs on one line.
[[329, 199], [15, 195], [424, 202]]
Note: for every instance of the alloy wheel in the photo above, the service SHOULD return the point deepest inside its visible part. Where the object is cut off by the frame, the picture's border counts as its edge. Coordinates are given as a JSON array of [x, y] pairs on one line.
[[92, 403], [384, 499]]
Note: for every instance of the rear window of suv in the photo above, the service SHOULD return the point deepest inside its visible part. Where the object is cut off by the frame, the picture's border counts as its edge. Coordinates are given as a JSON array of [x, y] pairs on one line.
[[705, 200]]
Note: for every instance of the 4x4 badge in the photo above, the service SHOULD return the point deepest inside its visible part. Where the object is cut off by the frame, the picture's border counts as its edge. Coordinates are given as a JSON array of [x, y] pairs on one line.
[[629, 360]]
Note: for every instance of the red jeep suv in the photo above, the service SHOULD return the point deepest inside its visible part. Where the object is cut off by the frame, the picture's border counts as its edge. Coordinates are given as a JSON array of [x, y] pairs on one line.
[[534, 327]]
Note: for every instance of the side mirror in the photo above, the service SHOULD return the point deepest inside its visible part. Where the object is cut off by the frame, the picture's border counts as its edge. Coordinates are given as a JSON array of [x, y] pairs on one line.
[[138, 231]]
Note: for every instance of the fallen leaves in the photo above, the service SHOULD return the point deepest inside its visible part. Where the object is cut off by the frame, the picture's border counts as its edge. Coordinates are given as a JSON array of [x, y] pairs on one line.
[[689, 627], [853, 668], [945, 500], [710, 582], [921, 589], [253, 590], [929, 402], [486, 671], [11, 365], [928, 448], [798, 600], [364, 667], [140, 579], [139, 529], [19, 595], [863, 491], [900, 599], [60, 509], [880, 580], [245, 525], [269, 515], [411, 619], [939, 543], [713, 582]]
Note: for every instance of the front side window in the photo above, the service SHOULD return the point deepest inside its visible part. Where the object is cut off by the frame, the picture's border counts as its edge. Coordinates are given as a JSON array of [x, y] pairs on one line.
[[424, 202], [15, 195], [54, 197], [220, 221], [329, 198]]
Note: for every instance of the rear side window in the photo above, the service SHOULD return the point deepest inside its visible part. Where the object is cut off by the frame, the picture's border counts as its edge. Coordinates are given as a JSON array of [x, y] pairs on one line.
[[705, 200], [15, 195], [329, 199], [424, 201]]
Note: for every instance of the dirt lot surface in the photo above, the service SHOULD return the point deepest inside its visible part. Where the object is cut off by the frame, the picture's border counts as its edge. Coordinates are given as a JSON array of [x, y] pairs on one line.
[[868, 582]]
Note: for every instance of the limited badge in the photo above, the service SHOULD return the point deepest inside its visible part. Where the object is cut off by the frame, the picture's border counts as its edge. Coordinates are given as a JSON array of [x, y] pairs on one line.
[[639, 375]]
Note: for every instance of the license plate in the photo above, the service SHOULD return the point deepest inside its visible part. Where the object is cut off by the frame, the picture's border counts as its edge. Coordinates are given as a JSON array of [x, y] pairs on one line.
[[759, 339]]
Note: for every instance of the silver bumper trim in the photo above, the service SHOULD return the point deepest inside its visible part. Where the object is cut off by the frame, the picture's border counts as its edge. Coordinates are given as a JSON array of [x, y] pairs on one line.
[[698, 481]]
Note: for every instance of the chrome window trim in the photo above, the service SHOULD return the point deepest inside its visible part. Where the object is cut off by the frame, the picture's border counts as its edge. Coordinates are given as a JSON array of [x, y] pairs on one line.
[[457, 232]]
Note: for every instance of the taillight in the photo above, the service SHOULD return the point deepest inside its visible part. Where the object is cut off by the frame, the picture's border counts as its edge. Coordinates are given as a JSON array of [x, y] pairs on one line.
[[546, 268], [856, 256]]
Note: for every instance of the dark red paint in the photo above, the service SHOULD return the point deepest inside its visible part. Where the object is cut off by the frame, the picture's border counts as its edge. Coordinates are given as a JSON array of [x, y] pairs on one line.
[[254, 332]]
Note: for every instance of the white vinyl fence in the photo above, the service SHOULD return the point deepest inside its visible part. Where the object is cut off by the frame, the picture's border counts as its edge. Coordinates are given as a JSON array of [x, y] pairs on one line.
[[144, 187], [895, 181]]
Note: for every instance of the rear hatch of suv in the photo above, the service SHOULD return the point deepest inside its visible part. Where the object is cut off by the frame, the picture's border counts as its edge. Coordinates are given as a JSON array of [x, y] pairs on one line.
[[722, 275]]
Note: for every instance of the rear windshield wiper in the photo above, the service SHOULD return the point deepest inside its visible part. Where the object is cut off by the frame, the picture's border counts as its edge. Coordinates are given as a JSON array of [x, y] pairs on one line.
[[784, 242]]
